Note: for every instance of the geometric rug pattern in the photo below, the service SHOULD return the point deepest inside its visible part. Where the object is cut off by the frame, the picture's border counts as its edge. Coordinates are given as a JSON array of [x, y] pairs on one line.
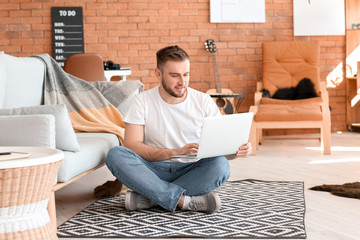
[[250, 209]]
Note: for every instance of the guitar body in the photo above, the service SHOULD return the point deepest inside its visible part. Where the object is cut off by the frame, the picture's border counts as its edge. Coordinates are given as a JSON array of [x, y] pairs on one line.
[[225, 105]]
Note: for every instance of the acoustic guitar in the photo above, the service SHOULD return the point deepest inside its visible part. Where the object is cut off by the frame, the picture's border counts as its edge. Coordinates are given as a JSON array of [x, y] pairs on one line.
[[225, 105]]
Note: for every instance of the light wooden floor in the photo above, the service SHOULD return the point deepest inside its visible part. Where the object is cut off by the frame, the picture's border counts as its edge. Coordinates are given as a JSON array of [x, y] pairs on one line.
[[328, 217]]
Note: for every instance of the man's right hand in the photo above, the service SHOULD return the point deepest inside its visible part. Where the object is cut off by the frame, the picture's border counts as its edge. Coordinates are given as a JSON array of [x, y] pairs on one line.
[[189, 148]]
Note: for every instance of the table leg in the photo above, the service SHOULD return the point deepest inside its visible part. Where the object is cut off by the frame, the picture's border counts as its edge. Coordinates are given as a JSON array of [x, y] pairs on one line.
[[52, 210]]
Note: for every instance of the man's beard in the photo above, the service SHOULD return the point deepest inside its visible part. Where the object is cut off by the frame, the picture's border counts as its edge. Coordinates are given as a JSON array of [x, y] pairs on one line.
[[171, 92]]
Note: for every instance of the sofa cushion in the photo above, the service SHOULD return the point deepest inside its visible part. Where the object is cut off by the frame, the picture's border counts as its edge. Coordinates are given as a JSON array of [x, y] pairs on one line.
[[21, 81], [65, 135], [28, 130], [93, 151]]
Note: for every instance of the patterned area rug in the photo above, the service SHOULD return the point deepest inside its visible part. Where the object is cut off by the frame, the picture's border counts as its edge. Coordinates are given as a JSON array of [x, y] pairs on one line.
[[250, 209]]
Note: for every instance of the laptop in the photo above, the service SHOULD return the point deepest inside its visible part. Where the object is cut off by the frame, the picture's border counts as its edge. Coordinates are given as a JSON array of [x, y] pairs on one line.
[[222, 135]]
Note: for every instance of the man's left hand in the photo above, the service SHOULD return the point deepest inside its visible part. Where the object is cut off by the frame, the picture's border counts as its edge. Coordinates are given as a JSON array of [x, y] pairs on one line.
[[244, 150]]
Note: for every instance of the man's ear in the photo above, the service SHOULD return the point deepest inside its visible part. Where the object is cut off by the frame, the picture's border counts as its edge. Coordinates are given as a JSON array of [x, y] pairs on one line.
[[158, 73]]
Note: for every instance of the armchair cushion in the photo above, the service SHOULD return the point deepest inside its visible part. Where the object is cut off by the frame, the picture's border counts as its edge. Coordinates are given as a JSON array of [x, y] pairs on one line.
[[314, 100], [267, 112], [65, 135], [28, 130]]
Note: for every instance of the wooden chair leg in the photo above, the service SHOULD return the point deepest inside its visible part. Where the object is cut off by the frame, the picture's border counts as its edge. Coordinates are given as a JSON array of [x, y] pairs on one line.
[[326, 139], [260, 136], [52, 210], [326, 131]]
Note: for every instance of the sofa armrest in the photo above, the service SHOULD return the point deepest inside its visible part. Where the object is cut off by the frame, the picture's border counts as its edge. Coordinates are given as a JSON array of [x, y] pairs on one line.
[[28, 130]]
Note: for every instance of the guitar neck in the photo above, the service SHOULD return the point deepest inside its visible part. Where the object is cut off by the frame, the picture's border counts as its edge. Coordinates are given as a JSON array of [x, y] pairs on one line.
[[217, 75]]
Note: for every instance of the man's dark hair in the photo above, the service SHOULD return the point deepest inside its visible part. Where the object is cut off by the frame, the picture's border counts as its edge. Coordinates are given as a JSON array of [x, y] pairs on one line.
[[171, 53]]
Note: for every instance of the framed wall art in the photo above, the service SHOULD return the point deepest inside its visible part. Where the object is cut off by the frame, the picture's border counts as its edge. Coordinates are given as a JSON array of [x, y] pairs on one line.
[[237, 11], [319, 17]]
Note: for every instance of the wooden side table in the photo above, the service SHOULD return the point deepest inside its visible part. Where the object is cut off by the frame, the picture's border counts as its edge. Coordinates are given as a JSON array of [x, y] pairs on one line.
[[122, 72], [25, 187]]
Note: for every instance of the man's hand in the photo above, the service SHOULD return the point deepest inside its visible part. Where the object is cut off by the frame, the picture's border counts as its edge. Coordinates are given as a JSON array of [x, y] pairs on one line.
[[187, 149], [244, 150], [134, 137]]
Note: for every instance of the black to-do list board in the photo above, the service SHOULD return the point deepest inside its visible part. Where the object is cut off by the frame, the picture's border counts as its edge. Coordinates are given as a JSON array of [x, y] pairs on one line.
[[68, 32]]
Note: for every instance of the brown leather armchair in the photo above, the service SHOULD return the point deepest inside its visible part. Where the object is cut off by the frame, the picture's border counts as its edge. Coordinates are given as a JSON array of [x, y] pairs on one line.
[[284, 65], [87, 66]]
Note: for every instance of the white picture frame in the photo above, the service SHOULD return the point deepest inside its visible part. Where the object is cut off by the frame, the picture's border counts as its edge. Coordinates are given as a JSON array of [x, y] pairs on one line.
[[319, 17], [237, 11]]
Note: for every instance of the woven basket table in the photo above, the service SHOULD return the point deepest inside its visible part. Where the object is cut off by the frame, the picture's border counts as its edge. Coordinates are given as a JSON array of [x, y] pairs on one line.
[[27, 176]]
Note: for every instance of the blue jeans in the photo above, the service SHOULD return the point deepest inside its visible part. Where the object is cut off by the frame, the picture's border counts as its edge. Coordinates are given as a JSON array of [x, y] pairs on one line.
[[163, 182]]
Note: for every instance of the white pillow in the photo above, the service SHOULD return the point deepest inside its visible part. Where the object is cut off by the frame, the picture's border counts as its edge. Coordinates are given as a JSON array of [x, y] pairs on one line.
[[28, 130], [65, 135]]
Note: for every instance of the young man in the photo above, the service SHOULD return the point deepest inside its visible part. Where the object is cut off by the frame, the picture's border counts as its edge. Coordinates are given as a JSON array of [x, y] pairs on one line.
[[161, 123]]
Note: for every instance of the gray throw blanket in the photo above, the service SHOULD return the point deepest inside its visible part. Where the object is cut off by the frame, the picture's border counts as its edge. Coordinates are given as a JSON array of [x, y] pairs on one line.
[[92, 106]]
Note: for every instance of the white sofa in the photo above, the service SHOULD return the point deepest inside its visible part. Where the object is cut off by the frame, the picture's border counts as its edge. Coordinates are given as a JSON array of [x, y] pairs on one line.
[[21, 85]]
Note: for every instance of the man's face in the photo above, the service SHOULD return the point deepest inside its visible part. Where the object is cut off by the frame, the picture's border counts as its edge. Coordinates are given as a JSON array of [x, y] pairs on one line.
[[175, 77]]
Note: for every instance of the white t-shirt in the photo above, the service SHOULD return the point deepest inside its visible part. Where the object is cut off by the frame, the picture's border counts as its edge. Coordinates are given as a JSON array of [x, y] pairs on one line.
[[171, 126]]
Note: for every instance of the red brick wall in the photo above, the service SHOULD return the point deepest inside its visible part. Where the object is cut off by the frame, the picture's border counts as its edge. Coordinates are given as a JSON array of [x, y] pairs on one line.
[[130, 32]]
